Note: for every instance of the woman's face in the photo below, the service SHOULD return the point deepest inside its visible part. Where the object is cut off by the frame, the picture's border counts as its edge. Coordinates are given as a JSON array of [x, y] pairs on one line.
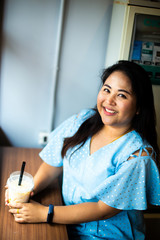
[[116, 102]]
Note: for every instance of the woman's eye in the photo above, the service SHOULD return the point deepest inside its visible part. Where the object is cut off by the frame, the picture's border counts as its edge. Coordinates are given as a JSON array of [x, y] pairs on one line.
[[122, 96], [106, 90]]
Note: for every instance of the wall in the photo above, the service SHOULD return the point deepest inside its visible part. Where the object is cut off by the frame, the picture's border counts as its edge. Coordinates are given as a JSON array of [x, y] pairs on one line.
[[30, 31], [83, 55]]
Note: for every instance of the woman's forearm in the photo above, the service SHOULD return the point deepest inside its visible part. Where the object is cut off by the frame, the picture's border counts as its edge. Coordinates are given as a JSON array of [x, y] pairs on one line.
[[73, 214], [44, 176], [83, 212]]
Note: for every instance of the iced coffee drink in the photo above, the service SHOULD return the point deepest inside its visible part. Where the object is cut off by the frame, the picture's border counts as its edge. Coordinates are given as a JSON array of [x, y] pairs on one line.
[[19, 193]]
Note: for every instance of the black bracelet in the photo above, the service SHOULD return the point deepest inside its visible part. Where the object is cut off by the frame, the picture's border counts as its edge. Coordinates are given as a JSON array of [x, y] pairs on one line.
[[50, 214]]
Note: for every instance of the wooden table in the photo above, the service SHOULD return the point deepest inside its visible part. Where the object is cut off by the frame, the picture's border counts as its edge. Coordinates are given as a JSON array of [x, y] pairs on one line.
[[10, 160]]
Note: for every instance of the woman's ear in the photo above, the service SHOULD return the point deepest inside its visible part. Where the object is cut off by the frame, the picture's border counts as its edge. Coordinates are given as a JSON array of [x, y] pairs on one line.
[[137, 113]]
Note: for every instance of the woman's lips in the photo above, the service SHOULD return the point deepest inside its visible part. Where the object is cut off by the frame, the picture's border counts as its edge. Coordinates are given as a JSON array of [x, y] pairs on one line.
[[109, 111]]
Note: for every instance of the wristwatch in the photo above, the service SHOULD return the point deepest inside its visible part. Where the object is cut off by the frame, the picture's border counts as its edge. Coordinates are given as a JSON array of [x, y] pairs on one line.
[[50, 213]]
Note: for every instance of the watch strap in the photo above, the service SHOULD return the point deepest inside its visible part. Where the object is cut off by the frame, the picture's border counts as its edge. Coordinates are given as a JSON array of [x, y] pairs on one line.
[[50, 213]]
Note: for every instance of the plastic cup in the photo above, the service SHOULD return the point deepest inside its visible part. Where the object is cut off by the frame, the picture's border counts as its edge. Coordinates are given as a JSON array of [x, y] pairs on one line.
[[20, 193]]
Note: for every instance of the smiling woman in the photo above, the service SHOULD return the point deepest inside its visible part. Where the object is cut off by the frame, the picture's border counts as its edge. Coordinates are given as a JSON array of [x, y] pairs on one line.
[[109, 156], [116, 103]]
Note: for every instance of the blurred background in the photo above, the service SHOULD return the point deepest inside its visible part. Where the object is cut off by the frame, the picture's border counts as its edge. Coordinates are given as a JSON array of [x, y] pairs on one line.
[[52, 56]]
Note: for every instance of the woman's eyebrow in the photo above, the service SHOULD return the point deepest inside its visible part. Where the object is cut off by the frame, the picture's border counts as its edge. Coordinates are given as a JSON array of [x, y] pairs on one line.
[[120, 90], [106, 85]]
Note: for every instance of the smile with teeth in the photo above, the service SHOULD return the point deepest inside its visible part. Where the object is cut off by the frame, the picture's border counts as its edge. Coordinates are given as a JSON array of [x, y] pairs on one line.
[[110, 111]]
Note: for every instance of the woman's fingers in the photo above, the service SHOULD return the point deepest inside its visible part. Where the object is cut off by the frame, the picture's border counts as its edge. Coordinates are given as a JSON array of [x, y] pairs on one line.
[[29, 212], [16, 205], [32, 194], [19, 212], [6, 196], [15, 211]]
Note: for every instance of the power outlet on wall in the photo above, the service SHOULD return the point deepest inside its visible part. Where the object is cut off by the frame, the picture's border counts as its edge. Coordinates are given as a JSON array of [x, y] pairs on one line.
[[43, 138]]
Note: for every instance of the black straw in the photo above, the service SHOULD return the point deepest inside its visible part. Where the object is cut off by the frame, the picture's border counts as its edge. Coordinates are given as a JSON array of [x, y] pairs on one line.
[[21, 173]]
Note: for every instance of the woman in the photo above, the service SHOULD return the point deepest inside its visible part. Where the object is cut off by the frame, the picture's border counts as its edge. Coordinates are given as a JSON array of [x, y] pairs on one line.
[[109, 156]]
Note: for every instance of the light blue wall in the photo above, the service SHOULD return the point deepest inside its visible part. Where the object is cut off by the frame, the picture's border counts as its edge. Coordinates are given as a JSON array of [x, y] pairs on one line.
[[30, 29]]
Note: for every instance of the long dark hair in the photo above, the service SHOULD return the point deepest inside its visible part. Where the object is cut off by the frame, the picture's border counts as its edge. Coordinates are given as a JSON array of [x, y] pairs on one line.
[[144, 122]]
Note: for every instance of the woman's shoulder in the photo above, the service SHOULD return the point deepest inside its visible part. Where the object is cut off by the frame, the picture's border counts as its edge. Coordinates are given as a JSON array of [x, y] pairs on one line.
[[134, 146], [139, 141], [81, 117], [71, 125], [85, 114], [134, 141]]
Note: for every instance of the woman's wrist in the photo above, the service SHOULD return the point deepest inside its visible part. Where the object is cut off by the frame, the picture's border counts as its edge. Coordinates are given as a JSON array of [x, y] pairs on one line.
[[50, 213], [44, 214]]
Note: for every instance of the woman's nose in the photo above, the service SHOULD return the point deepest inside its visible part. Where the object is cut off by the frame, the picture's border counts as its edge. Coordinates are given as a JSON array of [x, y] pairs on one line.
[[111, 100]]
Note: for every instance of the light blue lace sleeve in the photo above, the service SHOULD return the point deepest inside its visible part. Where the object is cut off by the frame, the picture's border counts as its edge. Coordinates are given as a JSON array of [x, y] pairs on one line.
[[136, 181], [51, 153]]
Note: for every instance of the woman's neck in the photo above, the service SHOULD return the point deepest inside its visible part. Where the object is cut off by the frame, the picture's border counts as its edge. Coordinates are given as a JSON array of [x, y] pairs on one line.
[[115, 132]]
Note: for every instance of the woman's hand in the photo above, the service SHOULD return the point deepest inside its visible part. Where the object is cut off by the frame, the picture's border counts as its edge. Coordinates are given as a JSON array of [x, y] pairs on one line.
[[31, 212], [6, 196]]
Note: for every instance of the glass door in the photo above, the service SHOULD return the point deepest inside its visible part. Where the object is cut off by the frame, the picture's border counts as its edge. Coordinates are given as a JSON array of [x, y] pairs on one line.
[[145, 44]]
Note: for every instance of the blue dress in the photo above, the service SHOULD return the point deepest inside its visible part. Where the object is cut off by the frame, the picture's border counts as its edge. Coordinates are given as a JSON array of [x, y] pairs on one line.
[[106, 175]]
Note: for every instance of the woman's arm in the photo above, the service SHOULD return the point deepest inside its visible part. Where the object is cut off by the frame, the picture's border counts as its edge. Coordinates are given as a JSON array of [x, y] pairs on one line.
[[44, 176], [83, 212], [72, 214]]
